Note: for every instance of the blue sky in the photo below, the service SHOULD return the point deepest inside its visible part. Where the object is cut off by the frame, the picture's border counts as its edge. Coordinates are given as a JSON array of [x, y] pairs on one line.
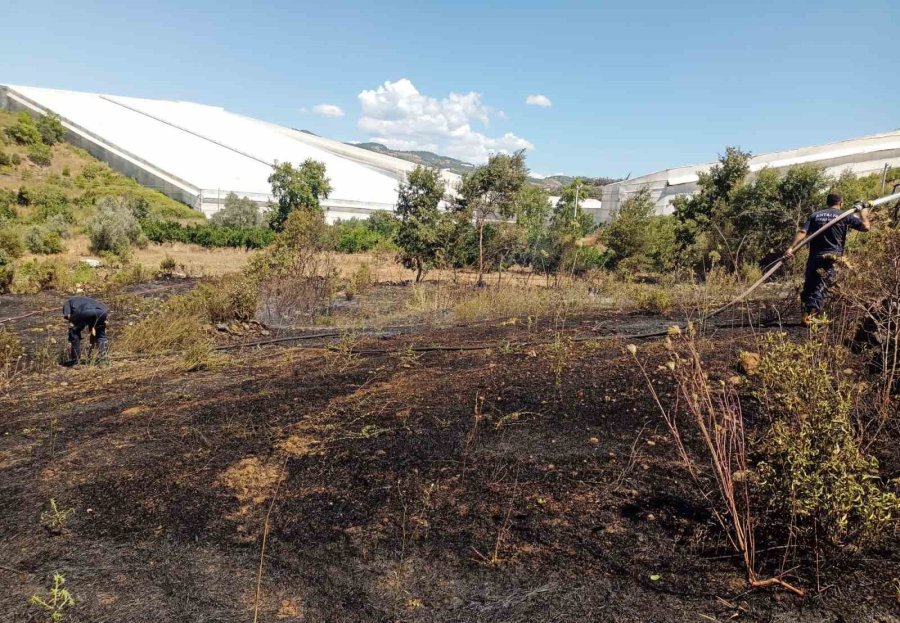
[[632, 86]]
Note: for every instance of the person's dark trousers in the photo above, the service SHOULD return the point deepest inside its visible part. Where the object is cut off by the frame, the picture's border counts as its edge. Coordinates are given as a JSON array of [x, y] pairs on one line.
[[94, 323], [820, 277]]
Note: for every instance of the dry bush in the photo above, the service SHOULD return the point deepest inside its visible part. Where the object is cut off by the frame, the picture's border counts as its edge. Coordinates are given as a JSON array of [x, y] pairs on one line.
[[231, 297], [713, 413], [870, 296], [201, 355], [297, 275], [174, 326], [359, 282], [183, 322], [11, 357]]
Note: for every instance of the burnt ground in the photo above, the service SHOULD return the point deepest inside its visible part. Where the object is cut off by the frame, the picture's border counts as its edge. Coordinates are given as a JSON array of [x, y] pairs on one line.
[[519, 482]]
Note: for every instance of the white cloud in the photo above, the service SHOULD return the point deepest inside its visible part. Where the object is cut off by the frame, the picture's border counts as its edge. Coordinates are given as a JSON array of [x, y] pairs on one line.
[[539, 100], [328, 110], [397, 115]]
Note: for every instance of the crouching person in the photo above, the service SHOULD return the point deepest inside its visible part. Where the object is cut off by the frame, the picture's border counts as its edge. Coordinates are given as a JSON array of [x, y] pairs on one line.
[[86, 313]]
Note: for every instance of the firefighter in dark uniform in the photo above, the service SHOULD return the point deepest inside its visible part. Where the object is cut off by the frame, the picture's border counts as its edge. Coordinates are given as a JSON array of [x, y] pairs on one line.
[[85, 313], [825, 251]]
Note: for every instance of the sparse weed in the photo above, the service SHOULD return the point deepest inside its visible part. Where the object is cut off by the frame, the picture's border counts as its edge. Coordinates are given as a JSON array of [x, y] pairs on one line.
[[57, 601], [55, 519], [340, 354], [407, 356], [11, 356]]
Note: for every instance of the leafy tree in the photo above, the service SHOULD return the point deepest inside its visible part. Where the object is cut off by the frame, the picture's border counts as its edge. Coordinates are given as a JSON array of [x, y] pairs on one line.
[[627, 235], [568, 218], [419, 234], [384, 223], [24, 131], [569, 223], [491, 191], [237, 212], [51, 129], [534, 213], [301, 187], [700, 214]]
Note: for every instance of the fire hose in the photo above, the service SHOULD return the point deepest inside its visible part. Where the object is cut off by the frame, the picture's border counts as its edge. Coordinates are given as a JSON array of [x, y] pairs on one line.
[[773, 268]]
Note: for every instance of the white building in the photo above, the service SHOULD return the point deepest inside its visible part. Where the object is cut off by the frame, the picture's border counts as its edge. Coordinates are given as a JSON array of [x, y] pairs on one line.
[[862, 156], [594, 207], [198, 154]]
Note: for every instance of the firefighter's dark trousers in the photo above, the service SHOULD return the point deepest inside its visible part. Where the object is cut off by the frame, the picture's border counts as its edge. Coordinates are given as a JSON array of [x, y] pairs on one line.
[[820, 278], [96, 326]]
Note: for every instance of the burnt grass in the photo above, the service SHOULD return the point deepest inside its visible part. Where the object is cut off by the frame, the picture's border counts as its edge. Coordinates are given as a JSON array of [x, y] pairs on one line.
[[472, 485]]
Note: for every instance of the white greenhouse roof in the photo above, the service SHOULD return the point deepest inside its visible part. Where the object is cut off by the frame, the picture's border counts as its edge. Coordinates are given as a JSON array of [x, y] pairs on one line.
[[205, 152], [862, 156]]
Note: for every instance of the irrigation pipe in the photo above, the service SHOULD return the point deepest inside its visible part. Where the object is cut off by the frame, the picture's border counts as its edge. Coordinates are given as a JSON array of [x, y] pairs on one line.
[[780, 261]]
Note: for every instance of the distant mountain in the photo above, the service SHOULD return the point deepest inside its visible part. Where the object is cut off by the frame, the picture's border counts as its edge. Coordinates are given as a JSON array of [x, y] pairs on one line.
[[425, 158], [551, 184]]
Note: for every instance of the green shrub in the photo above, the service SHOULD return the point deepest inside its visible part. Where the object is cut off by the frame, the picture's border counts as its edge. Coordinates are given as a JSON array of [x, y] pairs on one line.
[[238, 213], [356, 236], [7, 274], [40, 154], [11, 244], [653, 299], [207, 235], [15, 159], [51, 129], [7, 206], [94, 170], [67, 172], [113, 228], [5, 159], [813, 469], [49, 203], [24, 131], [42, 240]]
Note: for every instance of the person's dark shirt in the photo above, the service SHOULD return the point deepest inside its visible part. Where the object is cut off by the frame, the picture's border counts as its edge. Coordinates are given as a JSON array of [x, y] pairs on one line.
[[830, 242], [79, 307]]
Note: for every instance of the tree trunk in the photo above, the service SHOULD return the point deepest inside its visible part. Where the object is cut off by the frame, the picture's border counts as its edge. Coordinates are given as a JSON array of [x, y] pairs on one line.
[[480, 281], [418, 270]]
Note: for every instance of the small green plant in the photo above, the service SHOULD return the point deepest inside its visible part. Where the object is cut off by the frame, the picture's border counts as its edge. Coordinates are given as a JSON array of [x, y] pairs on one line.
[[40, 154], [558, 352], [55, 518], [56, 602], [407, 356], [25, 131], [340, 355]]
